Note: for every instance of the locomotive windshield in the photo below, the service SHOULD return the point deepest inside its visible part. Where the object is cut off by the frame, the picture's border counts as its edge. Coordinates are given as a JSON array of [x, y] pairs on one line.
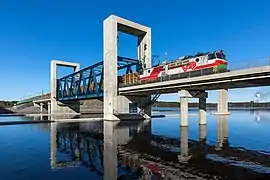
[[219, 55], [211, 56]]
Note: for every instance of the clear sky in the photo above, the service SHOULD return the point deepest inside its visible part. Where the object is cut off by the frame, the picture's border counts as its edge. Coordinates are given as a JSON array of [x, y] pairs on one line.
[[32, 33]]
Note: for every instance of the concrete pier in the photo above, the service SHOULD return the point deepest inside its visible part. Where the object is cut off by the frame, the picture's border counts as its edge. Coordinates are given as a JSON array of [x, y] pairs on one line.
[[58, 107], [49, 107], [184, 95], [202, 110], [222, 106], [184, 111], [115, 104], [41, 107]]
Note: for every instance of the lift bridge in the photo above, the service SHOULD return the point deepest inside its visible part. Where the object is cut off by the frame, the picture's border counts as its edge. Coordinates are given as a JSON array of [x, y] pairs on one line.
[[87, 83]]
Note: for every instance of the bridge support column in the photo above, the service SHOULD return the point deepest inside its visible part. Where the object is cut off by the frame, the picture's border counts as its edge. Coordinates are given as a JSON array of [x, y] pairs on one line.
[[222, 106], [41, 107], [58, 107], [114, 104], [202, 110], [49, 107], [183, 94]]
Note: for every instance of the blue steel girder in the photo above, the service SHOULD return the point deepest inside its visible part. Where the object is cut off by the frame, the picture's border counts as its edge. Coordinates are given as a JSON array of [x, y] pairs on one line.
[[88, 82]]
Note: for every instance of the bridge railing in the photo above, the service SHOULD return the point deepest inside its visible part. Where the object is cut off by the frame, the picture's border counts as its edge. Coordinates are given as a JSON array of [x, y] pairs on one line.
[[232, 66], [88, 82], [248, 63], [34, 98]]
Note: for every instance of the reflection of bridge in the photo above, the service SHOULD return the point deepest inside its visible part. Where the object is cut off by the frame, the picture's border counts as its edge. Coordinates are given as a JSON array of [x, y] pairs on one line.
[[84, 145]]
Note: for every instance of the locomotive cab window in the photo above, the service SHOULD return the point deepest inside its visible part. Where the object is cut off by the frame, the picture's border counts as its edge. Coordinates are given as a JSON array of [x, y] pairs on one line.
[[211, 56], [220, 55]]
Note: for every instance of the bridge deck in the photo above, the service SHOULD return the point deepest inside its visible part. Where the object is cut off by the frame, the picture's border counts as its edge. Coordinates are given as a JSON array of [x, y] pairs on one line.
[[251, 77], [42, 100]]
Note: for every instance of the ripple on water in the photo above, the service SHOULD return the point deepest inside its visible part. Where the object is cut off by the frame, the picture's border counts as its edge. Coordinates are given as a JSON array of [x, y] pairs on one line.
[[25, 149], [249, 165]]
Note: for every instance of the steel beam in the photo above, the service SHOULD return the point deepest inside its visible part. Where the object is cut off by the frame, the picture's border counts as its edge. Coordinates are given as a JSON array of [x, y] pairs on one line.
[[68, 88]]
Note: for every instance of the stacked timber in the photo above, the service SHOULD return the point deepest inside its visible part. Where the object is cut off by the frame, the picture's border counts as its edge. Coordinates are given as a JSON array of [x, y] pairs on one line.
[[131, 78]]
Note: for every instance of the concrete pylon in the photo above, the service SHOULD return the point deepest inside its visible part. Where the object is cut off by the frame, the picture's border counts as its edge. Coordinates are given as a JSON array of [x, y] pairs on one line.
[[41, 107], [202, 110], [114, 103], [184, 95], [49, 107], [184, 111], [222, 106], [56, 106]]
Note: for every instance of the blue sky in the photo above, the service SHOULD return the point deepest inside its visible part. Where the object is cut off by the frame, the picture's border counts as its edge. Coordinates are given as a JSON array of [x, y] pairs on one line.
[[32, 33]]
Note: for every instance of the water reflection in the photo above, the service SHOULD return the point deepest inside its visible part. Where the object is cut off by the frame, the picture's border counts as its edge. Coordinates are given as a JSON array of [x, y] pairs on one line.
[[222, 137], [128, 150], [261, 117]]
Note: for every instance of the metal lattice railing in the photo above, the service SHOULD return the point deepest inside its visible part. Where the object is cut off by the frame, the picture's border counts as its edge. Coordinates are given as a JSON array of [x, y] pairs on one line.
[[34, 98], [260, 62], [247, 64]]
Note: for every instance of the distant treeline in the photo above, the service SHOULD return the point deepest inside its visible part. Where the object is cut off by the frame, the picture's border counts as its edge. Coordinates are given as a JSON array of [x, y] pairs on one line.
[[251, 104], [7, 104]]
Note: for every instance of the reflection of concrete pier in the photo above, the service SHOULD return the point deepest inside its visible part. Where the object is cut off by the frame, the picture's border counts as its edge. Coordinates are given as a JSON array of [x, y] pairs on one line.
[[130, 145], [110, 150], [83, 137], [222, 129], [202, 133], [53, 146], [184, 156]]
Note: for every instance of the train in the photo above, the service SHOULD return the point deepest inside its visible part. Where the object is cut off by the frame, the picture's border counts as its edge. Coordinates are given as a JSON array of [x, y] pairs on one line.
[[183, 67]]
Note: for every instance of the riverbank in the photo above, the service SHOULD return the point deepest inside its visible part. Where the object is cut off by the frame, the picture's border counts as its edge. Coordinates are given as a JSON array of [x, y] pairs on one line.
[[28, 108], [231, 105]]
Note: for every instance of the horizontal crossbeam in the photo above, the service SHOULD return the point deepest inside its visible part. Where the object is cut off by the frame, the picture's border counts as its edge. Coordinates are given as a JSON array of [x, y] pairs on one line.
[[88, 82]]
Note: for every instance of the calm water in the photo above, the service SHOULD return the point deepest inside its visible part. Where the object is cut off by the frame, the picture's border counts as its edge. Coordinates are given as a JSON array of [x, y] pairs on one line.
[[237, 147]]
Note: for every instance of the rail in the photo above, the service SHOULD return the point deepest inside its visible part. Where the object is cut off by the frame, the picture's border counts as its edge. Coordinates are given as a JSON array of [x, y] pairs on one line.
[[231, 67]]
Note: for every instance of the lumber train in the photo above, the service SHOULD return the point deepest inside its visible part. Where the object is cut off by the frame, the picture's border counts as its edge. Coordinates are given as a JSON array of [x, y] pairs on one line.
[[183, 67], [187, 66]]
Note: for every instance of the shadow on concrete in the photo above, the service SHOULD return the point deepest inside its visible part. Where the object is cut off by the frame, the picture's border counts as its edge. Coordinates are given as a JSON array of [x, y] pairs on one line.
[[73, 105], [5, 111]]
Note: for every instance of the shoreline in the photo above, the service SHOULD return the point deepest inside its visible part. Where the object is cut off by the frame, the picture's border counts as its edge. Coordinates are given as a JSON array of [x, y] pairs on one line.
[[154, 109]]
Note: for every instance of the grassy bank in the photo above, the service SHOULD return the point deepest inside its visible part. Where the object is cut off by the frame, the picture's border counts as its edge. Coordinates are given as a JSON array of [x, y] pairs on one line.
[[7, 104]]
